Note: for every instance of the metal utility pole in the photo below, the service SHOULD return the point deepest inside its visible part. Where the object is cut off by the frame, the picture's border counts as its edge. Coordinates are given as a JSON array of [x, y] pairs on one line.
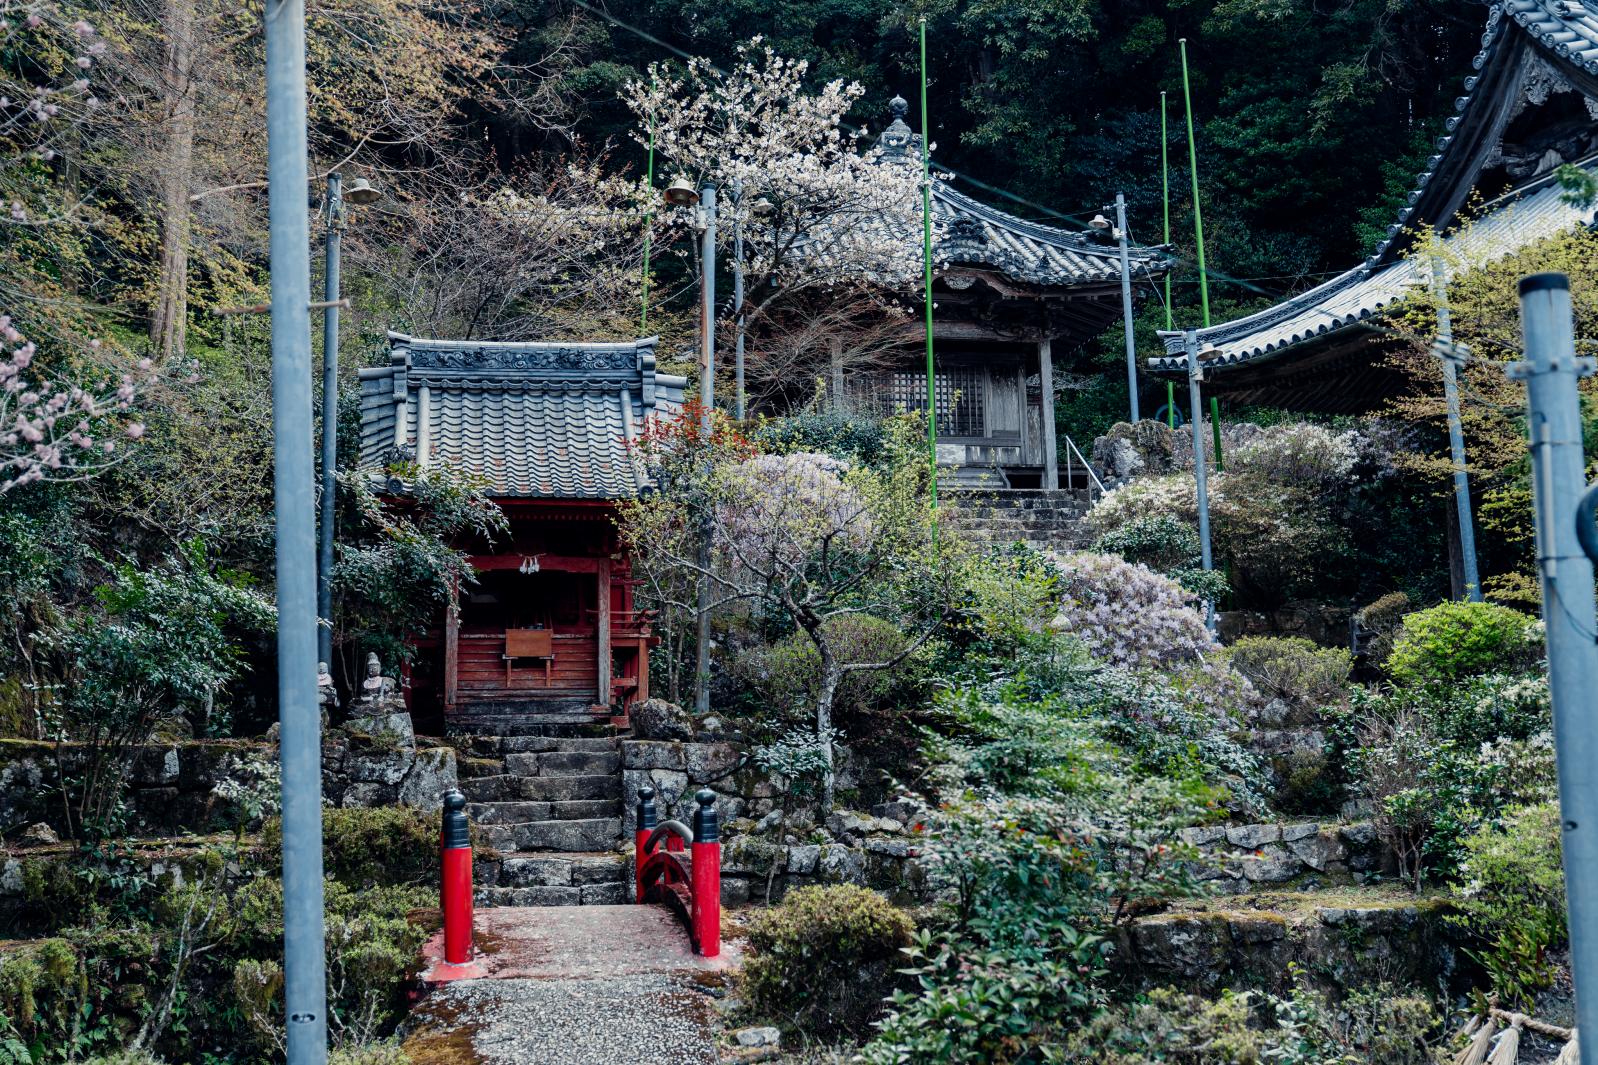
[[926, 283], [1550, 371], [738, 301], [1165, 184], [294, 474], [1198, 239], [330, 287], [1194, 376], [707, 398], [1456, 436], [1126, 305]]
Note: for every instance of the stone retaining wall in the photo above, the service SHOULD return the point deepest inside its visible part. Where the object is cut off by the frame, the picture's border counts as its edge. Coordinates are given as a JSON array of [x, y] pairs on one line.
[[172, 787], [1241, 858], [1334, 943]]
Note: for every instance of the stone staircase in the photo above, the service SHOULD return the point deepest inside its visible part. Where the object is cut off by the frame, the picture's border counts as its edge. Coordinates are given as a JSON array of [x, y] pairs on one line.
[[1041, 518], [547, 798]]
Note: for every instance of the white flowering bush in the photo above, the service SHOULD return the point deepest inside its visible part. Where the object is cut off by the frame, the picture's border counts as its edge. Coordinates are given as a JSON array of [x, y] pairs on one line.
[[787, 508], [1301, 453], [1127, 614], [1173, 494]]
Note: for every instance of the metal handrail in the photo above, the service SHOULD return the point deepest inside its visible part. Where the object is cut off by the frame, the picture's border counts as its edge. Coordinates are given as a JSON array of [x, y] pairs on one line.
[[1073, 452]]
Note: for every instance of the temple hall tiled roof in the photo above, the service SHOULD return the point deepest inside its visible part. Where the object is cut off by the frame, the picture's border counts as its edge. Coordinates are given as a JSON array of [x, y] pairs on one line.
[[1522, 40], [971, 233], [1361, 294], [536, 420]]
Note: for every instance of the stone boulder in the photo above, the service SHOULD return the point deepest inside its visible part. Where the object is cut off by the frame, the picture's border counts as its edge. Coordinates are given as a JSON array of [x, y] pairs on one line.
[[656, 719]]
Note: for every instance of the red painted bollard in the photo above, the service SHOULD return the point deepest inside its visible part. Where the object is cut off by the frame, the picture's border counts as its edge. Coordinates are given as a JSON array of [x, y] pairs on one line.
[[707, 875], [647, 819], [455, 893]]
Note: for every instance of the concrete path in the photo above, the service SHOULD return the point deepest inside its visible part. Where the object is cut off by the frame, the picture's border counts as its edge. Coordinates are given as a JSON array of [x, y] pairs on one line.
[[575, 985]]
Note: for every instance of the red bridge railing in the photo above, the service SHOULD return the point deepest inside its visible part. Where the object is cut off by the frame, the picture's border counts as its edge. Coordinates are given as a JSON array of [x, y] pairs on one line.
[[688, 882]]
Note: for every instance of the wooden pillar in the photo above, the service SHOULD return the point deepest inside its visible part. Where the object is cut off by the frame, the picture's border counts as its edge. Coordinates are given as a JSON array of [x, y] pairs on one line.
[[835, 351], [603, 625], [1051, 458], [452, 645]]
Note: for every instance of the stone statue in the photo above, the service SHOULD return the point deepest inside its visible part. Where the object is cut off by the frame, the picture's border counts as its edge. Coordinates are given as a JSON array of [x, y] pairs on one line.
[[377, 689], [326, 693]]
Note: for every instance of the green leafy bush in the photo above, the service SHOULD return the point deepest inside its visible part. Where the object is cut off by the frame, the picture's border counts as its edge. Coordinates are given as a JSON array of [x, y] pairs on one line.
[[1371, 1026], [1166, 544], [784, 677], [851, 437], [1297, 671], [383, 845], [1381, 620], [1513, 899], [823, 959], [1451, 641]]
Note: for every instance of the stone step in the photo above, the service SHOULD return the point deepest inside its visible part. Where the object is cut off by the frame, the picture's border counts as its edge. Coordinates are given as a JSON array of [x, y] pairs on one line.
[[526, 723], [592, 834], [564, 763], [572, 895], [479, 767], [565, 788], [519, 813], [542, 744], [498, 788], [561, 870]]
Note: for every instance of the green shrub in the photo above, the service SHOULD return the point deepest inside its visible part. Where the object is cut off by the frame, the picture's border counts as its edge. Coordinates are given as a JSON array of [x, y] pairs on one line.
[[1513, 899], [1293, 669], [1371, 1026], [1166, 544], [370, 1054], [851, 437], [372, 847], [823, 960], [1451, 641], [786, 676], [1381, 621]]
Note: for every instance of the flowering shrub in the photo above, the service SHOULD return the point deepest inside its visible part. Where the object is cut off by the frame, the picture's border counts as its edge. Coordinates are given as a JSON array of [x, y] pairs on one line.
[[1127, 614], [789, 507], [1174, 495], [1301, 453], [1513, 899]]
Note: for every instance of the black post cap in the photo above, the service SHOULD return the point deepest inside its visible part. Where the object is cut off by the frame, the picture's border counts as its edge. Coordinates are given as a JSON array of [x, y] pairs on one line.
[[647, 817], [1543, 282], [707, 826], [457, 830]]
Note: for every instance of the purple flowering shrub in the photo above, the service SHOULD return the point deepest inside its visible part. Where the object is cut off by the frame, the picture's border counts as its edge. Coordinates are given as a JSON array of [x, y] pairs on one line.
[[1128, 615]]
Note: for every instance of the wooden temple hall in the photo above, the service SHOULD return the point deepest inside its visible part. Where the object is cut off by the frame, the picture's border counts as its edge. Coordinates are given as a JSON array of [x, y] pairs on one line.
[[1529, 105], [551, 623], [1010, 297]]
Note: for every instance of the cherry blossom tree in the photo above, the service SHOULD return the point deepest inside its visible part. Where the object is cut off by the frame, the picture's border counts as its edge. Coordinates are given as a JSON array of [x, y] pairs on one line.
[[51, 429], [808, 538], [821, 206]]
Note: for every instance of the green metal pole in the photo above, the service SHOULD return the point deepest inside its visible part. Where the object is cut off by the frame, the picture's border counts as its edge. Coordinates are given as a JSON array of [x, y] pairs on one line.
[[1165, 182], [926, 274], [649, 212], [1198, 235]]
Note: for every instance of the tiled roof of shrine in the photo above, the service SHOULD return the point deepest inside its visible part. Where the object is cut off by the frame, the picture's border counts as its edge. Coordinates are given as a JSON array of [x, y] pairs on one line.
[[536, 420]]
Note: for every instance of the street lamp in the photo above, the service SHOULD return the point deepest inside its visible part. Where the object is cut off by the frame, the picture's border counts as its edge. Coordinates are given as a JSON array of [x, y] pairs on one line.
[[681, 194], [1195, 374], [1118, 232], [361, 192]]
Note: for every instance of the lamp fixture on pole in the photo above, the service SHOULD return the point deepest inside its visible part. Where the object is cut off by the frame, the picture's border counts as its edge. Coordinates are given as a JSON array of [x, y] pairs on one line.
[[360, 192], [680, 193]]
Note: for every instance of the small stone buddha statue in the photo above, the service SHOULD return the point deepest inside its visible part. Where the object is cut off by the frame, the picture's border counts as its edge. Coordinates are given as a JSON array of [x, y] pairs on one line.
[[377, 689], [326, 693]]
